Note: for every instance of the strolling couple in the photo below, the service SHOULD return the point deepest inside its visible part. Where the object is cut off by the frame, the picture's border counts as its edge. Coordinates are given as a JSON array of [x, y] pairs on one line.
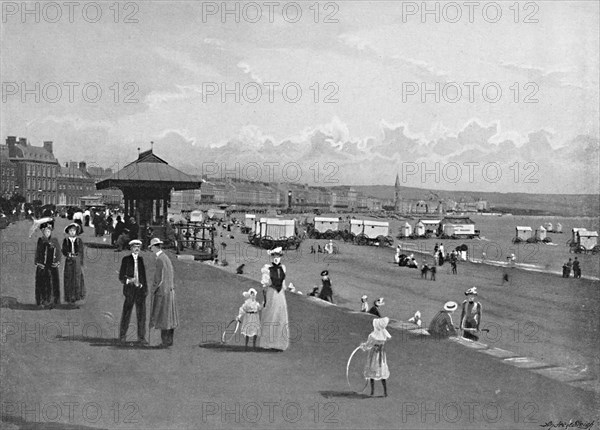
[[163, 313]]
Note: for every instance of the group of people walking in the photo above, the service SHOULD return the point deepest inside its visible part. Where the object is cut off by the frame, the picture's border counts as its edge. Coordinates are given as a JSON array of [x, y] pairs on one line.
[[269, 322], [574, 265], [132, 275], [163, 309], [48, 257]]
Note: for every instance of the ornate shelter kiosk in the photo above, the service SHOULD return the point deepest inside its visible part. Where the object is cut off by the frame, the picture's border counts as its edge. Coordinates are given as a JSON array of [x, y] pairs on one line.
[[146, 184]]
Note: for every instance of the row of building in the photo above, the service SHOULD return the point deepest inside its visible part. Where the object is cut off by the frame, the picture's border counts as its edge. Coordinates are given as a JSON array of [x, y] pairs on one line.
[[36, 174], [283, 195]]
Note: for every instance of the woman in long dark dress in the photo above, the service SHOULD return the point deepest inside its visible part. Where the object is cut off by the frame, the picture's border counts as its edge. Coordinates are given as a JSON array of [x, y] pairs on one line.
[[326, 290], [72, 249], [47, 260]]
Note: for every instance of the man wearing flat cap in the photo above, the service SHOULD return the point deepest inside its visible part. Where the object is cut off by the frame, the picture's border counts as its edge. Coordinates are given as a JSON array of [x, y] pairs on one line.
[[441, 325], [135, 289], [470, 317]]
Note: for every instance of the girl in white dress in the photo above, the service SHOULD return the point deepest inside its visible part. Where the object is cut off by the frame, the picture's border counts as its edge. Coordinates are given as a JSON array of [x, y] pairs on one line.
[[376, 367], [248, 315]]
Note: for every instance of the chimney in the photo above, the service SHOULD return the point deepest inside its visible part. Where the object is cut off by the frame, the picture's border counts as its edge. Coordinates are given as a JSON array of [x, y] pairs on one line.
[[82, 166], [11, 141], [22, 141], [48, 146]]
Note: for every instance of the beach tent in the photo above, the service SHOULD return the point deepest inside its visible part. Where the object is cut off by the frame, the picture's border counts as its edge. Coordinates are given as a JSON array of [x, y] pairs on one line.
[[540, 233], [196, 216], [323, 224], [588, 239], [373, 229], [548, 226], [420, 229], [276, 228], [558, 227], [524, 232], [215, 214], [405, 230], [431, 225], [250, 221], [575, 232], [458, 226]]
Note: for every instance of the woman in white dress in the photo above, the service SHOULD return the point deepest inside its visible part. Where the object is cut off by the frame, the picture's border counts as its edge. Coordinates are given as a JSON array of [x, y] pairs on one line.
[[274, 331]]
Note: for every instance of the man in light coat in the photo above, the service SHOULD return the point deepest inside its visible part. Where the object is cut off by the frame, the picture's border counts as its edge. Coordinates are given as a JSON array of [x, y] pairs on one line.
[[164, 311]]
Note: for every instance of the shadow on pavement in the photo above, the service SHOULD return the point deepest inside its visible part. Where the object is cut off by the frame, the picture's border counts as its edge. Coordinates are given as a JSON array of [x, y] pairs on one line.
[[107, 342], [13, 303], [235, 348], [344, 394], [23, 424]]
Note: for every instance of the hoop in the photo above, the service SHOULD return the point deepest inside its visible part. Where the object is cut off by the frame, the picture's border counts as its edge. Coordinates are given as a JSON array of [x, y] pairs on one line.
[[348, 376], [228, 334]]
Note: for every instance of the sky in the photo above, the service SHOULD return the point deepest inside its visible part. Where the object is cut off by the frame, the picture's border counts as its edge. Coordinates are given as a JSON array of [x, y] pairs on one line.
[[499, 96]]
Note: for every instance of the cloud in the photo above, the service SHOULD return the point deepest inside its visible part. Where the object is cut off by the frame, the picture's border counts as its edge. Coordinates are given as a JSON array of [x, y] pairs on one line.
[[76, 122], [541, 76], [214, 42], [417, 67], [157, 98], [248, 71], [527, 167], [329, 150]]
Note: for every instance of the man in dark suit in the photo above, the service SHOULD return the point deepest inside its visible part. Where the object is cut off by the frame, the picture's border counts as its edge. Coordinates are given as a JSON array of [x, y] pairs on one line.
[[441, 325], [135, 289]]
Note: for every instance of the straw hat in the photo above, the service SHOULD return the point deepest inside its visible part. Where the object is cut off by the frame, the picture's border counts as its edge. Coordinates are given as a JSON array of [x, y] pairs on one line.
[[78, 228], [156, 241], [450, 306]]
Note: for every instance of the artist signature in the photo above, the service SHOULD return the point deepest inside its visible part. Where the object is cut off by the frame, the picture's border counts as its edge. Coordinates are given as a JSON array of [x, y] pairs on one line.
[[571, 424]]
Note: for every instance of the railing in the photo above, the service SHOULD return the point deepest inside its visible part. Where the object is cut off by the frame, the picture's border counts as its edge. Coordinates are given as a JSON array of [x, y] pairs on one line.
[[197, 237]]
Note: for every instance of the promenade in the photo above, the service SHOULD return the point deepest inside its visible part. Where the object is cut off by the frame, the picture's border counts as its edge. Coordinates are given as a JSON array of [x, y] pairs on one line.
[[62, 368]]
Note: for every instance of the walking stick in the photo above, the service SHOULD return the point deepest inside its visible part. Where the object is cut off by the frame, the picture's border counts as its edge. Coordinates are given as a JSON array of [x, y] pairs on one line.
[[150, 321]]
